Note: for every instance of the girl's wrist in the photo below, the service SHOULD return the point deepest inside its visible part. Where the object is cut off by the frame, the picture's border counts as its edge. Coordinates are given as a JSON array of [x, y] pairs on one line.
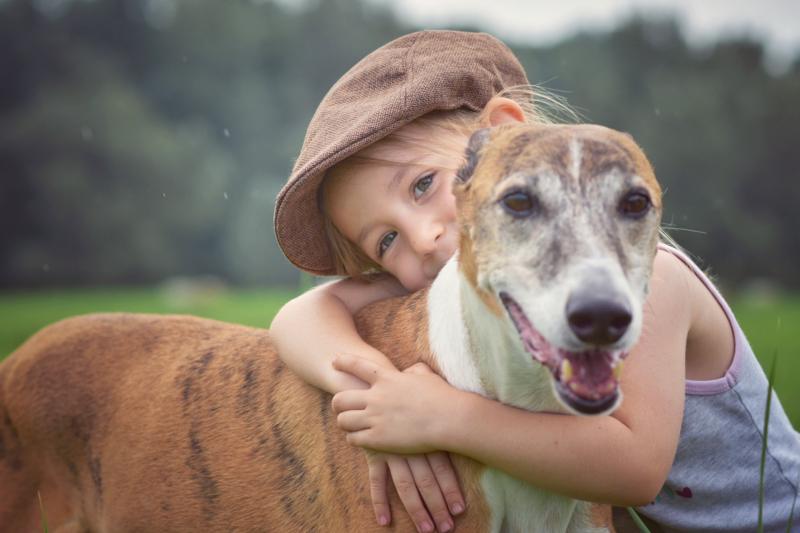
[[447, 435]]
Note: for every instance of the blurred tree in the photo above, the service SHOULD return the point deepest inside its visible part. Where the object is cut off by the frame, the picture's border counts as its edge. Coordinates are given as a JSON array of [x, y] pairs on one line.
[[141, 139]]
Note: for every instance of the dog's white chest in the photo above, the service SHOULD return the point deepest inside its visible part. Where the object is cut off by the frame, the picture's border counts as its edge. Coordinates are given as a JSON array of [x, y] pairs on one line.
[[518, 507], [515, 506]]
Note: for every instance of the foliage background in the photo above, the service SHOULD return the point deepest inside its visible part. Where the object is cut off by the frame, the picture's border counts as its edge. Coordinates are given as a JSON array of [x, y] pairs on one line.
[[144, 139]]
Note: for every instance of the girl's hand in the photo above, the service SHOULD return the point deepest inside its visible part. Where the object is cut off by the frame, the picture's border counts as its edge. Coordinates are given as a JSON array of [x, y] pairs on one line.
[[400, 412], [427, 486]]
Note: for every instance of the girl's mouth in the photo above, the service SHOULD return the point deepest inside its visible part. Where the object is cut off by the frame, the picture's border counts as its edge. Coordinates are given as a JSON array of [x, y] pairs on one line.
[[586, 381]]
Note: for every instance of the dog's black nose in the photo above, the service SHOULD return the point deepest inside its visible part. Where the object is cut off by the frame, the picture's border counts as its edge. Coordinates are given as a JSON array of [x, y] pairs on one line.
[[597, 320]]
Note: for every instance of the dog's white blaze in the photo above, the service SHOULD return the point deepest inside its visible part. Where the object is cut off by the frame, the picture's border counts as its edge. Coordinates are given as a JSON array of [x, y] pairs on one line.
[[575, 149], [463, 337]]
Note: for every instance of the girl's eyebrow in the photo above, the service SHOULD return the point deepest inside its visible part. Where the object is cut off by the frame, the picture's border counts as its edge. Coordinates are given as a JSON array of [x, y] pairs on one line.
[[404, 169], [398, 176]]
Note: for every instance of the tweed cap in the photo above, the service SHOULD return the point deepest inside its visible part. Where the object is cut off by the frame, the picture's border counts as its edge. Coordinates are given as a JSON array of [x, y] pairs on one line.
[[413, 75]]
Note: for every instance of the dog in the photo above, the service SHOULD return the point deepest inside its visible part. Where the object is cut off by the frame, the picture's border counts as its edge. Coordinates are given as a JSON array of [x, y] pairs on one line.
[[124, 422]]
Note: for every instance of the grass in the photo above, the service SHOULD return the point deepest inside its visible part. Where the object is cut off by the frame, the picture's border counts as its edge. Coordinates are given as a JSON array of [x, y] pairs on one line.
[[764, 441], [770, 325], [638, 521], [45, 529], [26, 312], [772, 328]]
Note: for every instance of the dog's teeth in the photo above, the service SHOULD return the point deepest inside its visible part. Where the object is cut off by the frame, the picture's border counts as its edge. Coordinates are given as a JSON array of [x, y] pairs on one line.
[[618, 370], [566, 370]]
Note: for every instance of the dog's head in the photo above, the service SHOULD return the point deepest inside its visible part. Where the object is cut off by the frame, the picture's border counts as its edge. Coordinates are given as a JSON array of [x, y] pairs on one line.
[[559, 228]]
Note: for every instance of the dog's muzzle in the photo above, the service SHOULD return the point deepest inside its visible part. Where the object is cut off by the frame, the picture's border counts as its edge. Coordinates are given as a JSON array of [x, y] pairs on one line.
[[586, 381]]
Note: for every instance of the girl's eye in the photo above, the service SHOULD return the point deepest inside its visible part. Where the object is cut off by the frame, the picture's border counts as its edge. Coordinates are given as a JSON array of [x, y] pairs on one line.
[[520, 204], [422, 185], [386, 242], [635, 204]]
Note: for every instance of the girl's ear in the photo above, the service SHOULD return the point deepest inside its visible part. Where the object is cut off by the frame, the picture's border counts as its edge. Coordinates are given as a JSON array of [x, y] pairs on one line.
[[501, 110]]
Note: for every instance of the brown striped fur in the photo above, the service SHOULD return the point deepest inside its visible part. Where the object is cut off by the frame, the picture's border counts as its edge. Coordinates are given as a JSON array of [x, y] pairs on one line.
[[173, 423]]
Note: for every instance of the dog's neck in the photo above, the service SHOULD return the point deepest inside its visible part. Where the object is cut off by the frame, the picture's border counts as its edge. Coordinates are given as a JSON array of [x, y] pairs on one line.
[[479, 351]]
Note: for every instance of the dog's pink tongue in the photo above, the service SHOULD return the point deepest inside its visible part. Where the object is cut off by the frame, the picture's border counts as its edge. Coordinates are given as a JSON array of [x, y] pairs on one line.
[[592, 374], [533, 341]]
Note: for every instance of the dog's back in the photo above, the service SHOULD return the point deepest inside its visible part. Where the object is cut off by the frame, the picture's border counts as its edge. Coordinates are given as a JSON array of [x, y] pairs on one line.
[[152, 423]]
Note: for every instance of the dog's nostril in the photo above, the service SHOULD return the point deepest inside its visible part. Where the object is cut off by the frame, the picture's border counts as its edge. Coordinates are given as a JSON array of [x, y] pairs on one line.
[[621, 321], [597, 321]]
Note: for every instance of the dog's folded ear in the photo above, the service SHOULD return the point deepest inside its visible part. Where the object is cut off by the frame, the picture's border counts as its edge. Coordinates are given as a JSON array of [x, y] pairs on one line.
[[474, 147]]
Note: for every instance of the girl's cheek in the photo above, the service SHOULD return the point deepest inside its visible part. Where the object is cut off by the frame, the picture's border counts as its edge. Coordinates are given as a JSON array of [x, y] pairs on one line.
[[448, 200]]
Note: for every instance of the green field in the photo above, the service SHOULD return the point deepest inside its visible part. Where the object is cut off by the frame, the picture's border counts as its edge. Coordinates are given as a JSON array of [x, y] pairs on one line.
[[771, 326]]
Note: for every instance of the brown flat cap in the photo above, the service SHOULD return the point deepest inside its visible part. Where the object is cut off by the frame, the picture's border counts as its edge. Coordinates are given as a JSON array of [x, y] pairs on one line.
[[397, 83]]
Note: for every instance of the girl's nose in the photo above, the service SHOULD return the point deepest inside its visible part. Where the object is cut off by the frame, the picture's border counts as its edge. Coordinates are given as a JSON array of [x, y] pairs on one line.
[[425, 237]]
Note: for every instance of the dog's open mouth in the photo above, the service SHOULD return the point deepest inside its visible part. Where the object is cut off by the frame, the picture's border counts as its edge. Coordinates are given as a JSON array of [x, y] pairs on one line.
[[587, 381]]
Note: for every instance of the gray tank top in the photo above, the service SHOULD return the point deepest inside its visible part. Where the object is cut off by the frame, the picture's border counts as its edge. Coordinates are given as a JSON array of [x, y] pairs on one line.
[[714, 481]]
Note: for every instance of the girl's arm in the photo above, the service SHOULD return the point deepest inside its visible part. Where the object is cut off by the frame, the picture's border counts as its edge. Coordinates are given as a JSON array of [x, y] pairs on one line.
[[621, 459], [307, 333], [310, 329]]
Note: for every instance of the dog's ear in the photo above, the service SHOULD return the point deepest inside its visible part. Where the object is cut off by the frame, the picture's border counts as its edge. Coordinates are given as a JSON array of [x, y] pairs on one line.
[[476, 143]]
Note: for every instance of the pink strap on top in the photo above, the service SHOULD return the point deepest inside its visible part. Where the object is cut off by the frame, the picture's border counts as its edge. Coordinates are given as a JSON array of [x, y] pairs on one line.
[[731, 377]]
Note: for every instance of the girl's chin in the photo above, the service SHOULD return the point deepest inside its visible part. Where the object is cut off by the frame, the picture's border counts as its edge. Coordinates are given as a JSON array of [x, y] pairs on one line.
[[417, 283], [418, 286]]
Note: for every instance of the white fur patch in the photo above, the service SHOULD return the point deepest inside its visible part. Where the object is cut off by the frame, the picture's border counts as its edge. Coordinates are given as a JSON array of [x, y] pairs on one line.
[[446, 331], [529, 509]]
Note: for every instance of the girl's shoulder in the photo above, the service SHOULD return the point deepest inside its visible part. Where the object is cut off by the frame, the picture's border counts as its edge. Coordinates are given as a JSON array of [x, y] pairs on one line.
[[710, 338], [671, 288]]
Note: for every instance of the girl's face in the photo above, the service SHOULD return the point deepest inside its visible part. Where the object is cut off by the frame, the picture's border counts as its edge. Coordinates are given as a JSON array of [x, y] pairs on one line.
[[403, 214]]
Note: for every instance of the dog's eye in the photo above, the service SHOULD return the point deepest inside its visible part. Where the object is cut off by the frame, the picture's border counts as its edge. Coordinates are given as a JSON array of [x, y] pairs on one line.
[[520, 203], [634, 204]]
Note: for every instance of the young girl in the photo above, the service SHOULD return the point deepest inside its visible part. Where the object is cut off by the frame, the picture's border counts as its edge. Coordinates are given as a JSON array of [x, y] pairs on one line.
[[370, 197]]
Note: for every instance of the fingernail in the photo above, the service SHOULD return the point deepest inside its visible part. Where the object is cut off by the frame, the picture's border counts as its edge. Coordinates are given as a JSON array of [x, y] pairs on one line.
[[383, 520], [457, 508], [445, 526], [426, 527]]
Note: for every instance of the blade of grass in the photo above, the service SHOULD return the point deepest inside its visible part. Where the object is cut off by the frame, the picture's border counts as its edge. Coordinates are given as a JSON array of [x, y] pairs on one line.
[[791, 513], [764, 443], [41, 509], [638, 521]]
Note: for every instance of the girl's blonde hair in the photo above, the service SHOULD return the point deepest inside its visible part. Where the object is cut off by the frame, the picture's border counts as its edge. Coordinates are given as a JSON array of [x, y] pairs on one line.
[[450, 128]]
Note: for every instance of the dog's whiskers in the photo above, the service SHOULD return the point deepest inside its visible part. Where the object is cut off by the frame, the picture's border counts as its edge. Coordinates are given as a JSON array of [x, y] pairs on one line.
[[668, 227]]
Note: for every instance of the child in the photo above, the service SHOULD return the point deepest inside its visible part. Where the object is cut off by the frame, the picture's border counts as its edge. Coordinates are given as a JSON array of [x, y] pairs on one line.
[[371, 193]]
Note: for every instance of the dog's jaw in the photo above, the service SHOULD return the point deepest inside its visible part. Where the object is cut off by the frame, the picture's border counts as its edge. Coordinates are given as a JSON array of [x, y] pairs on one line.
[[479, 351], [586, 381]]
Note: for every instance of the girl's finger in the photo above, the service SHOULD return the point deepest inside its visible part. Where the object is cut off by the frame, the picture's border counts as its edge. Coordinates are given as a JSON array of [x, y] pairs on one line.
[[377, 488], [448, 481], [349, 400], [352, 421], [407, 490], [430, 491], [361, 368]]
